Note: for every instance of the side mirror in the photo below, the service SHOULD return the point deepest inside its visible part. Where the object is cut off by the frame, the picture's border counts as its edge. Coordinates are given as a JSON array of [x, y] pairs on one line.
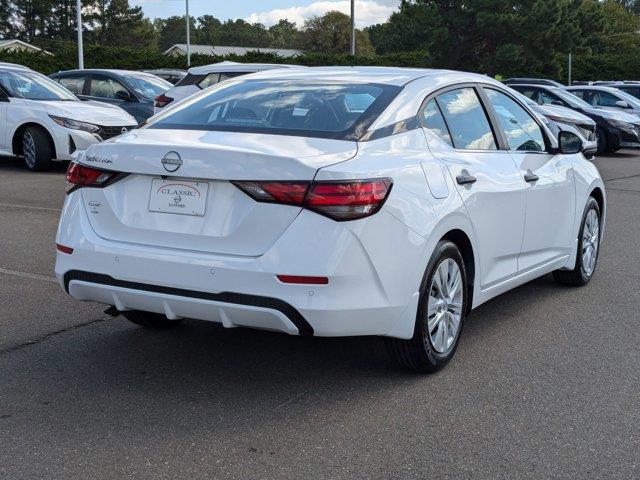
[[124, 95], [622, 104], [569, 142]]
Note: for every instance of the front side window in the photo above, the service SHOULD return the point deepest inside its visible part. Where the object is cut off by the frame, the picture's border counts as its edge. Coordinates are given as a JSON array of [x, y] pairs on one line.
[[520, 129], [33, 86], [434, 121], [291, 107], [467, 120], [605, 99], [103, 87]]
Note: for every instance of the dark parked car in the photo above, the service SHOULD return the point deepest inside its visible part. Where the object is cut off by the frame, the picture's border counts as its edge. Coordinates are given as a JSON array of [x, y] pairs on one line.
[[129, 90], [531, 81], [614, 129], [170, 75]]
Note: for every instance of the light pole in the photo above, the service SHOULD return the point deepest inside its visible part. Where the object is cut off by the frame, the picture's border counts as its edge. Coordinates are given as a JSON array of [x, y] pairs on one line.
[[188, 37], [569, 70], [80, 50], [353, 27]]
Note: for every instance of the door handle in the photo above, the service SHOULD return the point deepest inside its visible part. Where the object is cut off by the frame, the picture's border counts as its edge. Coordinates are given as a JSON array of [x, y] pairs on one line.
[[531, 177], [465, 178]]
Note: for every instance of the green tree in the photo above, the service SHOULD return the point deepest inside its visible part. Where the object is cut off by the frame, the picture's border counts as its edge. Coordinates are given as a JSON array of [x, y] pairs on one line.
[[244, 34], [116, 23], [331, 33], [7, 11], [283, 34], [173, 30]]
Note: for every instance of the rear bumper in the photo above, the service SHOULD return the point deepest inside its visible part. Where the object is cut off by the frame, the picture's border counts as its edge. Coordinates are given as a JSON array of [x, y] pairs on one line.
[[230, 309], [369, 292]]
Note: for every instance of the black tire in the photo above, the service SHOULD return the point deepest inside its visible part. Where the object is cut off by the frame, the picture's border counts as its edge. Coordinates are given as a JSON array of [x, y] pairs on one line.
[[36, 149], [418, 354], [149, 320], [578, 276], [601, 139]]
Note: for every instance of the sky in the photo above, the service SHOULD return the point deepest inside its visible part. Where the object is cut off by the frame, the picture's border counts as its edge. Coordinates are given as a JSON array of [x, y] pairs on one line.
[[269, 12]]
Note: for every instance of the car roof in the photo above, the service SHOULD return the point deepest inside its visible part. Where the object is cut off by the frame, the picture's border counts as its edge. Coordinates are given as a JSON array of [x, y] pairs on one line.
[[228, 66], [103, 70], [602, 88], [535, 85], [383, 75], [12, 66]]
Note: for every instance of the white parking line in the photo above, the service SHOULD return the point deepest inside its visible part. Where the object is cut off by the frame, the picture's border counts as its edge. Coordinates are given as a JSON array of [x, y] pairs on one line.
[[33, 207], [31, 276], [39, 180]]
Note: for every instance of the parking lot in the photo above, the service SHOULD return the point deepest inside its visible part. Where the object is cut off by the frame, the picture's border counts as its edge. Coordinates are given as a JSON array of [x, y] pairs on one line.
[[545, 383]]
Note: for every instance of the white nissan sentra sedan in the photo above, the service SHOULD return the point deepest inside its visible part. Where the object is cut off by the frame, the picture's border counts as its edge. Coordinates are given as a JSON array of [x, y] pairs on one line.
[[331, 202]]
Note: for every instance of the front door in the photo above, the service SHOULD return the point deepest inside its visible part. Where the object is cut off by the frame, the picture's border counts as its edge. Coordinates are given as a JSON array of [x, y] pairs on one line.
[[550, 192]]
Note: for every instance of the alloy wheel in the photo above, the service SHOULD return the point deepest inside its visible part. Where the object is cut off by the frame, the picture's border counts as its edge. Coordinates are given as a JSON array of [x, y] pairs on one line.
[[445, 305], [590, 242], [29, 150]]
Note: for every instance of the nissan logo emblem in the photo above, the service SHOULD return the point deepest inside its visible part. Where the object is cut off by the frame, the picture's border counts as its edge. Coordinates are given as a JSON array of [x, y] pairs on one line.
[[171, 161], [124, 130]]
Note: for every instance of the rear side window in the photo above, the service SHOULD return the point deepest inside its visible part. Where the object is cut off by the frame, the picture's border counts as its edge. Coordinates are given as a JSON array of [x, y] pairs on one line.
[[521, 130], [467, 120], [285, 107], [73, 84], [434, 121]]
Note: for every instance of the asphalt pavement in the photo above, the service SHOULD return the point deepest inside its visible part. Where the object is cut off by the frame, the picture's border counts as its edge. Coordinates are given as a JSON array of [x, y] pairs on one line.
[[545, 383]]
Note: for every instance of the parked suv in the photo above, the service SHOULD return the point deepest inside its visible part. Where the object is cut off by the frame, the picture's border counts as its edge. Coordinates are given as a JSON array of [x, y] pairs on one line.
[[614, 129], [132, 91], [199, 78], [42, 121]]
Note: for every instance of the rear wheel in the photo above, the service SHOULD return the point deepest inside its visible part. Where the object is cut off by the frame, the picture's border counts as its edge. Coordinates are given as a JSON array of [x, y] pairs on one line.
[[441, 313], [588, 248], [149, 320], [36, 149], [601, 138]]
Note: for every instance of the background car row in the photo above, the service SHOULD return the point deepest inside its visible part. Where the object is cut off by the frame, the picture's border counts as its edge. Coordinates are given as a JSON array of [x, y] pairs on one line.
[[47, 121]]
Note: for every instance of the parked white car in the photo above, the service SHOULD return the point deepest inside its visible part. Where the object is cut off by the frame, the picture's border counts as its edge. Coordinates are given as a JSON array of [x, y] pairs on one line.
[[332, 202], [199, 78], [43, 121]]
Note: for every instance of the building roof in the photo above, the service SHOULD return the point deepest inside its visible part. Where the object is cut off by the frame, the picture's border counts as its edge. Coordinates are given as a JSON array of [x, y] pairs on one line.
[[222, 51], [14, 42]]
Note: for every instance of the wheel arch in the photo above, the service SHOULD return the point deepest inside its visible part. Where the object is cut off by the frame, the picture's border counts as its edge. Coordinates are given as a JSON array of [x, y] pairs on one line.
[[598, 195], [461, 240], [16, 141]]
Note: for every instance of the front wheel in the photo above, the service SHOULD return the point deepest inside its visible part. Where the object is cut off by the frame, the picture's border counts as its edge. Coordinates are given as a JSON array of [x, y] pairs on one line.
[[36, 149], [441, 314], [601, 139], [588, 248]]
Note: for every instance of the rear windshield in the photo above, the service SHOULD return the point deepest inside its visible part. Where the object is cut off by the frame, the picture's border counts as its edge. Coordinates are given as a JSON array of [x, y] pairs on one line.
[[306, 109]]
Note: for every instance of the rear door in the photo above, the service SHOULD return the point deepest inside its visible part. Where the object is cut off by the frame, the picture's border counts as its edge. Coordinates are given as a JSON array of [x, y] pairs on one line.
[[488, 179], [550, 191]]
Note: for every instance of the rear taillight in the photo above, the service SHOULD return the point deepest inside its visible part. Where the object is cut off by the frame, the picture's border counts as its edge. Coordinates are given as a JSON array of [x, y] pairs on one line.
[[81, 176], [339, 200], [162, 100]]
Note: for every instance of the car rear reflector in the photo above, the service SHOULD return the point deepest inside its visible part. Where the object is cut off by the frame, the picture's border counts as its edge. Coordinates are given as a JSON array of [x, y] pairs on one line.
[[64, 249], [81, 176], [303, 280], [162, 100], [338, 200]]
